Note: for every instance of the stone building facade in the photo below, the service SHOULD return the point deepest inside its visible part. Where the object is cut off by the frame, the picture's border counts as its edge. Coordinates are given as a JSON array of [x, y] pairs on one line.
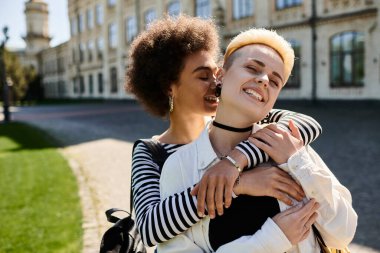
[[336, 43]]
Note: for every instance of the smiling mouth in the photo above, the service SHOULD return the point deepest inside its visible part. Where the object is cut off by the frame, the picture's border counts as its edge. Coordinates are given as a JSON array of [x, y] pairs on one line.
[[212, 99], [254, 94]]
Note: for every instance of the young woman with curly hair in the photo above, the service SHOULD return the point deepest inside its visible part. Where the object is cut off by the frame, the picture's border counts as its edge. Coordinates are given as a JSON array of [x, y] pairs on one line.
[[172, 74]]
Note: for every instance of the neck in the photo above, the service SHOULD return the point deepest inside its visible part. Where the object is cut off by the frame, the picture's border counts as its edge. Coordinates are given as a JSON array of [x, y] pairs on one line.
[[222, 140], [183, 129]]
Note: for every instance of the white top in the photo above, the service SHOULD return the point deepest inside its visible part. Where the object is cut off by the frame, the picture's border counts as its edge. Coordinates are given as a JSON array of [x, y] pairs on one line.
[[336, 220]]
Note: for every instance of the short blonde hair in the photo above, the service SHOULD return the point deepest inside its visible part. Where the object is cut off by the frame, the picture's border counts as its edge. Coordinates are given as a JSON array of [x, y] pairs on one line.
[[266, 37]]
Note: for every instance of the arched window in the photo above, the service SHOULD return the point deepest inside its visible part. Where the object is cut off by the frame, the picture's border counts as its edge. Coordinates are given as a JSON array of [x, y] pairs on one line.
[[294, 80], [347, 59], [203, 8], [174, 8], [242, 8]]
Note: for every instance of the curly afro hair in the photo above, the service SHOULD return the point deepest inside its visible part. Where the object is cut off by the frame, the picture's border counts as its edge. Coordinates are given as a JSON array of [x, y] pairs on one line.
[[158, 56]]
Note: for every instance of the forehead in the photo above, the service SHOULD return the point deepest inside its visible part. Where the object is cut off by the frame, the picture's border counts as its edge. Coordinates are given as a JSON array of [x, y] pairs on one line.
[[203, 57], [262, 53], [259, 51]]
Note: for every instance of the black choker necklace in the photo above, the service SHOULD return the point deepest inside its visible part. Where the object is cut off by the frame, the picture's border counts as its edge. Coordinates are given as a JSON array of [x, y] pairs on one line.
[[232, 129]]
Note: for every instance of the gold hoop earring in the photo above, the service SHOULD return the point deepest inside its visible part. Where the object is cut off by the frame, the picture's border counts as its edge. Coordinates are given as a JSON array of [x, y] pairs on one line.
[[171, 104]]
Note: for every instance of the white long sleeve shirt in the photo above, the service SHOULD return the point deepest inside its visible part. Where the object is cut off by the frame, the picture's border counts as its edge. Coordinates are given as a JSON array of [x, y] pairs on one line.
[[336, 221]]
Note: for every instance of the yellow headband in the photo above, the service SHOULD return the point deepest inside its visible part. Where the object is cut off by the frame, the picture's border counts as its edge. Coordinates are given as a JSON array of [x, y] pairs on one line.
[[268, 38]]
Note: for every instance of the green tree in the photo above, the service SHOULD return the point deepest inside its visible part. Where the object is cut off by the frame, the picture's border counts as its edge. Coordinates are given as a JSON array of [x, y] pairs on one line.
[[19, 75]]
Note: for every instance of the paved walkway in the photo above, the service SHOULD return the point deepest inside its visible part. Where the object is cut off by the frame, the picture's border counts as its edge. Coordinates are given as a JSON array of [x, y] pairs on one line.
[[103, 171]]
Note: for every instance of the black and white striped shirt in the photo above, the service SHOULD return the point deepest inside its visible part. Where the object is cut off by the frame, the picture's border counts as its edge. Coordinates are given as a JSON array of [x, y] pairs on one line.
[[160, 220]]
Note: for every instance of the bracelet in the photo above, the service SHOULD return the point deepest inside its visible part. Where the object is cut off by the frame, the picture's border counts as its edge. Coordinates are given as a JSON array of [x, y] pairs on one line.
[[233, 162]]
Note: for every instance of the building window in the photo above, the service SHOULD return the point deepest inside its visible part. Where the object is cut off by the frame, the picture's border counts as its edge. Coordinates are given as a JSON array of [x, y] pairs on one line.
[[112, 35], [111, 3], [149, 16], [203, 8], [90, 48], [75, 87], [100, 83], [283, 4], [99, 14], [90, 84], [174, 8], [73, 55], [61, 65], [81, 85], [294, 80], [61, 88], [347, 59], [90, 19], [113, 74], [242, 8], [131, 29], [81, 52], [80, 23], [100, 47], [73, 26]]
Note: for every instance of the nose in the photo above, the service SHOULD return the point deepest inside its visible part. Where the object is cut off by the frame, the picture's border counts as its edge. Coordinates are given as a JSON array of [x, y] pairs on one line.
[[263, 79]]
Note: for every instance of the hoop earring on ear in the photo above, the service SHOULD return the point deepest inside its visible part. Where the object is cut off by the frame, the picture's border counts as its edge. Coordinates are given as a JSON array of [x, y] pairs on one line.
[[218, 89], [171, 104]]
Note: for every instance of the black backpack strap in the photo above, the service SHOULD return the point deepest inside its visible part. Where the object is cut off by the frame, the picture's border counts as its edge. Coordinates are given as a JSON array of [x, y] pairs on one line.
[[159, 156], [111, 218]]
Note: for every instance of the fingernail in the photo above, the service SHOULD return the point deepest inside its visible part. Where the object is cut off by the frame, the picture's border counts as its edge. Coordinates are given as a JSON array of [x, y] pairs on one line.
[[226, 206], [212, 216], [200, 214]]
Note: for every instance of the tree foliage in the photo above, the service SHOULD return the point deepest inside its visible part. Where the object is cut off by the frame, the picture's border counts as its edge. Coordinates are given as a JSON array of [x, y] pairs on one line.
[[19, 76]]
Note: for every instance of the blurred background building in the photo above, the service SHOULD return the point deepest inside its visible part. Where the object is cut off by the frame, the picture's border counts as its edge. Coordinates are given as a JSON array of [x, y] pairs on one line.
[[336, 43]]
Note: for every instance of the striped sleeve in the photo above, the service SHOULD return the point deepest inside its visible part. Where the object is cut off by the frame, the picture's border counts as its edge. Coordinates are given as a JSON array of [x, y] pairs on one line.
[[158, 220], [309, 128]]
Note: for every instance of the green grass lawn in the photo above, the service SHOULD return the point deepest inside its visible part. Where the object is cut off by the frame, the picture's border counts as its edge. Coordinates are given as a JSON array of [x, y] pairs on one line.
[[39, 203]]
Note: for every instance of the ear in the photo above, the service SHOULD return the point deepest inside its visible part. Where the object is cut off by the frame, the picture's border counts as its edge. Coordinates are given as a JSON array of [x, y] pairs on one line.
[[171, 90]]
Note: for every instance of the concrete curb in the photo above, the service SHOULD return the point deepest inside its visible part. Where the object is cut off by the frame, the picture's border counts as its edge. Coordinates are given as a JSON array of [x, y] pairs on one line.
[[91, 226]]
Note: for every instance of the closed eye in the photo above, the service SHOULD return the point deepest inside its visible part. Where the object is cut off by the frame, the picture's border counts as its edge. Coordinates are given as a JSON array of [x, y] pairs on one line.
[[253, 69], [273, 82]]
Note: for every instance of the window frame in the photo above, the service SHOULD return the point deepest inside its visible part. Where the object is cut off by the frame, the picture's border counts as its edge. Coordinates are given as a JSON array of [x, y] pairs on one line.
[[112, 35], [354, 54], [113, 80], [99, 14], [294, 81], [149, 12], [240, 10], [130, 28], [170, 5], [288, 4], [201, 7]]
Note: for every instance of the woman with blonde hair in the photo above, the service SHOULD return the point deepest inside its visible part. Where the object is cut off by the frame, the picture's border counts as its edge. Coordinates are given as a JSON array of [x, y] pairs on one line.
[[258, 62]]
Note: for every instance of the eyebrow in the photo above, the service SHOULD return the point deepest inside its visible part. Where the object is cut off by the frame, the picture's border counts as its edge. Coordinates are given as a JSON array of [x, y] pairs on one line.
[[201, 68], [262, 64]]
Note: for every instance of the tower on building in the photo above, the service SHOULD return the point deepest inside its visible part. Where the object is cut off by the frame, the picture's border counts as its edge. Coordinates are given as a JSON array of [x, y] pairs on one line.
[[37, 30]]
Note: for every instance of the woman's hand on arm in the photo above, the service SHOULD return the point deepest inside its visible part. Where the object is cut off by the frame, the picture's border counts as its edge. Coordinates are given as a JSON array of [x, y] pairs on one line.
[[215, 187], [269, 181], [286, 229], [296, 222], [277, 143]]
